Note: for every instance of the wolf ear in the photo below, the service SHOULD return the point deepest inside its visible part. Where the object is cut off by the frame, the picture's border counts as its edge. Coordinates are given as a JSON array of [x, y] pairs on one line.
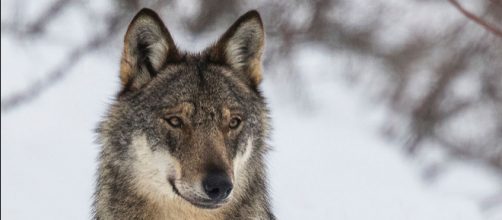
[[147, 46], [241, 46]]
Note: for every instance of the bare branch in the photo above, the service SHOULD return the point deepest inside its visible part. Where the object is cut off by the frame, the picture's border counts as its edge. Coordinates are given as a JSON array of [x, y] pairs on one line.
[[61, 71], [39, 24], [476, 19]]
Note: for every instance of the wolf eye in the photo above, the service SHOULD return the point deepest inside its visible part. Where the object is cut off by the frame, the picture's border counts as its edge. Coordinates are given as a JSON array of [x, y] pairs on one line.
[[174, 121], [234, 123]]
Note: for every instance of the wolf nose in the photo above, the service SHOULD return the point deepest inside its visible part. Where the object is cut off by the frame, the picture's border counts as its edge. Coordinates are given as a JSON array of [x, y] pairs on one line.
[[217, 186]]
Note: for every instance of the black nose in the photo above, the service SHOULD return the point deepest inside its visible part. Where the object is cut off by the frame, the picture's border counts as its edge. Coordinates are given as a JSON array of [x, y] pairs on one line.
[[217, 186]]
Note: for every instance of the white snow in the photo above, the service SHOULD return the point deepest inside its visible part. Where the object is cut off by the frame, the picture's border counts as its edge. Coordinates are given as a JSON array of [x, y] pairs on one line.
[[331, 164]]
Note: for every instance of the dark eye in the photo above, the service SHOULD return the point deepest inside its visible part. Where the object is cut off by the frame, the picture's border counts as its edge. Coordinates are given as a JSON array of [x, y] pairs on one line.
[[174, 121], [234, 123]]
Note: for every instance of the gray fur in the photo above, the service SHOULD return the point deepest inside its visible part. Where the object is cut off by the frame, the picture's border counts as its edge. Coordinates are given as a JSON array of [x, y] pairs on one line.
[[206, 90]]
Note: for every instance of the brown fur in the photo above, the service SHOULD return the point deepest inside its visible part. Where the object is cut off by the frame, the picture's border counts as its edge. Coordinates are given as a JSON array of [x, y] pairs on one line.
[[151, 168]]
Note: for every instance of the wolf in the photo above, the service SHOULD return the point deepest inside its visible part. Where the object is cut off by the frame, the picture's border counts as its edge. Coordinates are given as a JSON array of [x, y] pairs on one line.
[[185, 137]]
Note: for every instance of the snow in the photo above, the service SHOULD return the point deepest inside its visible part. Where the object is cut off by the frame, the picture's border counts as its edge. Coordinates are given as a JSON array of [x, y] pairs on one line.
[[332, 164], [328, 162]]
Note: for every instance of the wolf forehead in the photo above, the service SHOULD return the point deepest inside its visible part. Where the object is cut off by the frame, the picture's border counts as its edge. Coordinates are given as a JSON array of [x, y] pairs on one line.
[[202, 84]]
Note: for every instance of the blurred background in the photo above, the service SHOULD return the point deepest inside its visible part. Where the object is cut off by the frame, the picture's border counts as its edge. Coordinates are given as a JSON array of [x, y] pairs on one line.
[[383, 109]]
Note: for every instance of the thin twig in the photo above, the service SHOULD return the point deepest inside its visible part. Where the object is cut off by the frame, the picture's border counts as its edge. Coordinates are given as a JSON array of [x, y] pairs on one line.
[[476, 19], [40, 23], [35, 89]]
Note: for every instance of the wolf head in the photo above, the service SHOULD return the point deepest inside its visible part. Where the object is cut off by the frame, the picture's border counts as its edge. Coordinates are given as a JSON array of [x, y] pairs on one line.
[[187, 126]]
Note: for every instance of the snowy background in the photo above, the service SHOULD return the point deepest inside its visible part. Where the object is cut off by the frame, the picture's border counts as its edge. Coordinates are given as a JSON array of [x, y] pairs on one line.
[[345, 91]]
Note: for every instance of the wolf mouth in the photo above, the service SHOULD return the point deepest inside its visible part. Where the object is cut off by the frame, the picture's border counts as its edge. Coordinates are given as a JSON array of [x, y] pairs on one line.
[[200, 204]]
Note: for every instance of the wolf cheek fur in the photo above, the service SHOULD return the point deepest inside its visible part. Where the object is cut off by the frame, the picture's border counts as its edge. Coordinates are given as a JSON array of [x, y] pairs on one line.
[[185, 138]]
